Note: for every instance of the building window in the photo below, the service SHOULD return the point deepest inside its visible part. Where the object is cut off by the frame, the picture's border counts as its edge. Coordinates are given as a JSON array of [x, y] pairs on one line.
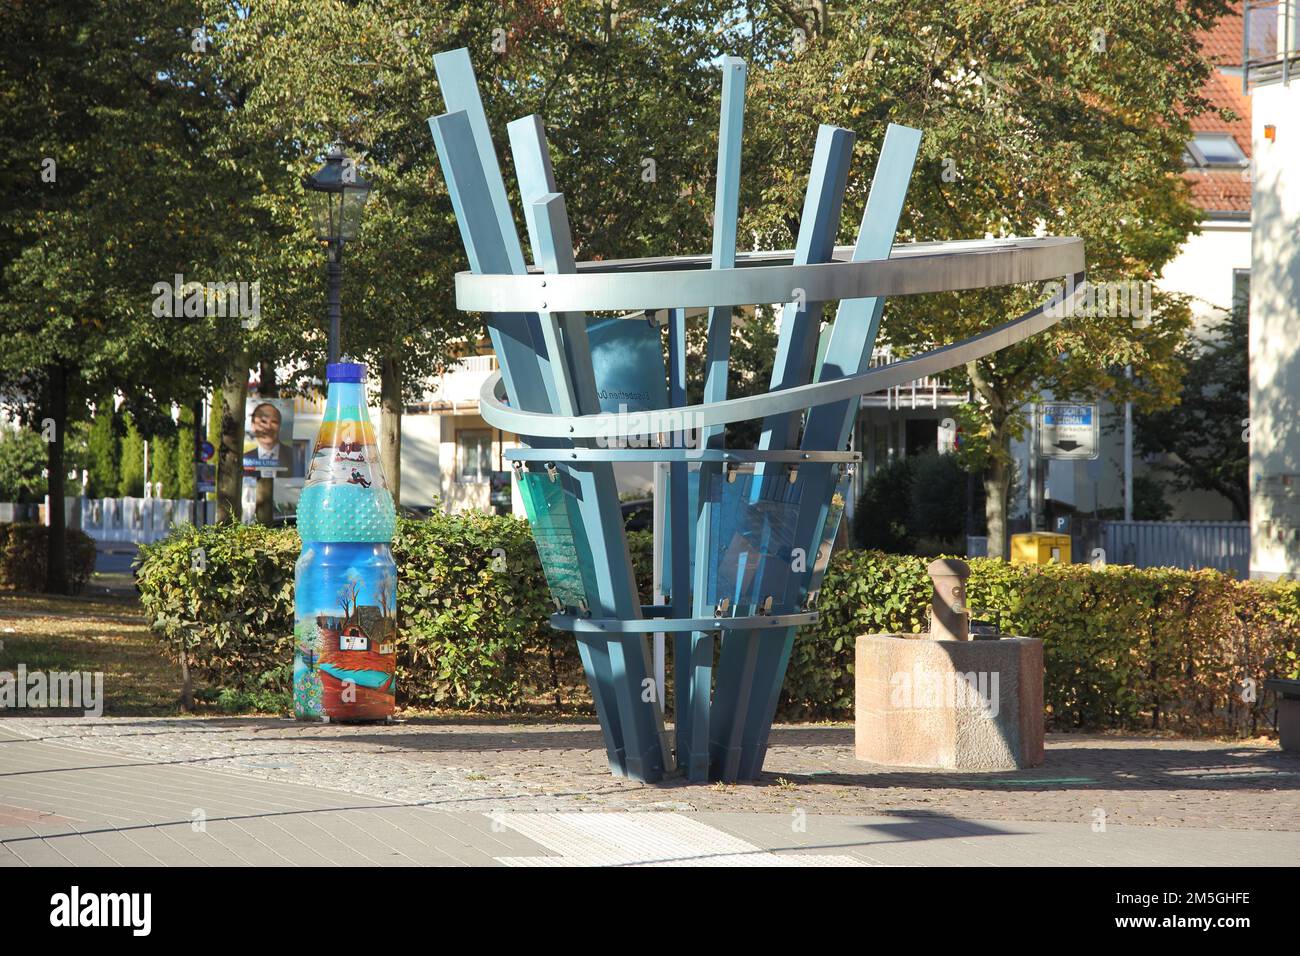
[[1214, 149], [1241, 291], [473, 454]]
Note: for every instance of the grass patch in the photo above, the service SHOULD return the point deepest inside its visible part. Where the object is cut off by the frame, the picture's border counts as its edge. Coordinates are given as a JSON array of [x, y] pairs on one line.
[[108, 635]]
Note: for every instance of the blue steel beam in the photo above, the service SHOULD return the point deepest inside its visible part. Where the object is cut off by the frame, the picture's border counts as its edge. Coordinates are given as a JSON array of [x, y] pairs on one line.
[[742, 660], [693, 654], [828, 426], [620, 667], [516, 337]]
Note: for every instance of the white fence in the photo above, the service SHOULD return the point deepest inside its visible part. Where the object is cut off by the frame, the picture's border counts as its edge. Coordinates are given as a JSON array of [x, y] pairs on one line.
[[1223, 545], [138, 520]]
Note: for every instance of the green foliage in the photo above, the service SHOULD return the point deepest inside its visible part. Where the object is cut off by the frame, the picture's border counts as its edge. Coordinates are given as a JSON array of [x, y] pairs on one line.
[[1149, 503], [23, 552], [104, 451], [1202, 439], [880, 518], [223, 594], [22, 465], [162, 463], [908, 500], [130, 482], [185, 479], [472, 602]]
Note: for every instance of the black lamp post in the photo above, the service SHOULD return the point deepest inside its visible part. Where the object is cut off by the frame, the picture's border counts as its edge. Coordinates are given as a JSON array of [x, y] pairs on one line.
[[339, 194]]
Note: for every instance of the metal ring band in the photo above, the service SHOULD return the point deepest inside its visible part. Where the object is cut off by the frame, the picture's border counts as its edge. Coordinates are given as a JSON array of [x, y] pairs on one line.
[[741, 456], [677, 625], [611, 426], [648, 284]]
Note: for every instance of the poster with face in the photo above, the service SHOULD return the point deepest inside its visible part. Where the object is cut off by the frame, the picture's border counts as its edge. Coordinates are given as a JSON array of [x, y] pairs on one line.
[[268, 437]]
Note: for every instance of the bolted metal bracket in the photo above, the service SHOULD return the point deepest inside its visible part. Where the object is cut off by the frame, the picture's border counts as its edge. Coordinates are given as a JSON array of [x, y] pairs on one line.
[[552, 472], [722, 607]]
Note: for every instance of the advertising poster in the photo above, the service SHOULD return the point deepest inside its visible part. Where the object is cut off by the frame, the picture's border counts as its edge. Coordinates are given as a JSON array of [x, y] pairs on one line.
[[268, 437]]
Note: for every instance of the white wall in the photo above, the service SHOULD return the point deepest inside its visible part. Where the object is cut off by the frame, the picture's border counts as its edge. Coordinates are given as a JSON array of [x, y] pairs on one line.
[[1275, 334], [1204, 267]]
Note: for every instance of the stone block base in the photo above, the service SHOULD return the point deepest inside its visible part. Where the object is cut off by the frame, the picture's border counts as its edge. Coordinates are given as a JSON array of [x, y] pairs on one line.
[[952, 705]]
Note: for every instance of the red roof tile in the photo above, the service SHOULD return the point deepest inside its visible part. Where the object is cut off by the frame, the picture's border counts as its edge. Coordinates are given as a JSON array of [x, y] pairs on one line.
[[1220, 190], [1222, 43]]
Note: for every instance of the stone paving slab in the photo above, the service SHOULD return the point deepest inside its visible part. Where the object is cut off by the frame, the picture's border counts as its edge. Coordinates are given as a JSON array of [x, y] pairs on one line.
[[259, 792], [80, 807], [551, 767]]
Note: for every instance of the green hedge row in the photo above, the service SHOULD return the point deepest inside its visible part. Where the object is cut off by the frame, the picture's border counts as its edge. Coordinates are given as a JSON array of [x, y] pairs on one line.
[[24, 550], [1125, 648]]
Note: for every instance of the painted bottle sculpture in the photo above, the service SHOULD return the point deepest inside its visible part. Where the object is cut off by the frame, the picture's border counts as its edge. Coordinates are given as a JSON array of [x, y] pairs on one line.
[[345, 582]]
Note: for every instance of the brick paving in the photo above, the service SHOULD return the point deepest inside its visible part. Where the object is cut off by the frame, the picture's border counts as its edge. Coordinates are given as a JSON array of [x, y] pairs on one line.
[[499, 767], [251, 791]]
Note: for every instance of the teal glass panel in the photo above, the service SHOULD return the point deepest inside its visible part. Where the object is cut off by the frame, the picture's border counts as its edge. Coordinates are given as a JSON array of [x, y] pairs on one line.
[[755, 548], [561, 546], [830, 530], [752, 529]]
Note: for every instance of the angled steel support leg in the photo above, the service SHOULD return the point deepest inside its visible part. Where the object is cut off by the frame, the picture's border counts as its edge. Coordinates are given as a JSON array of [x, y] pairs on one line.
[[748, 658], [596, 498], [694, 694], [829, 426], [482, 211]]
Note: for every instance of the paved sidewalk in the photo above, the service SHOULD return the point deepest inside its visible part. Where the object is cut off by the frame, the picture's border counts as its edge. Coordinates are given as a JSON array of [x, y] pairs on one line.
[[266, 792]]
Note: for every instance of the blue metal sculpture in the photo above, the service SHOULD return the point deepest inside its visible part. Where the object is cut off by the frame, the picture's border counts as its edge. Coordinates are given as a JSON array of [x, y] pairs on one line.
[[749, 532]]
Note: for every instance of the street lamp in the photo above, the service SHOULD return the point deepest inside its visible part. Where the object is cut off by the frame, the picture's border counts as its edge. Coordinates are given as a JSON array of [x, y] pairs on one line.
[[338, 196]]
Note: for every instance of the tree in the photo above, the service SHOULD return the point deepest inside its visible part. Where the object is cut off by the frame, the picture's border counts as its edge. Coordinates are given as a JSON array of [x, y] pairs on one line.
[[131, 470], [104, 451], [619, 84], [110, 190], [162, 464], [1202, 443], [22, 465], [1068, 118]]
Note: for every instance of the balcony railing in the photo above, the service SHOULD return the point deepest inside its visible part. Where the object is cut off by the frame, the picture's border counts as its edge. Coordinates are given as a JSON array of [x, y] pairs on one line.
[[926, 392], [1270, 42]]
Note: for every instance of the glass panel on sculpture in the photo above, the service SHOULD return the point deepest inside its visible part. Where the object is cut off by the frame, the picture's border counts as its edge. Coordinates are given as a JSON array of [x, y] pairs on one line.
[[830, 529], [752, 527], [547, 510]]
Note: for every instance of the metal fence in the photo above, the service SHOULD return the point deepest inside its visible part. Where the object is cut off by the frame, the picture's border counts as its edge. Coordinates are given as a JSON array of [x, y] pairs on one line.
[[1223, 545]]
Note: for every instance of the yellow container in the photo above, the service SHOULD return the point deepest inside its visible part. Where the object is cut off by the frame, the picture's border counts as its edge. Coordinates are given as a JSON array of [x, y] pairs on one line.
[[1040, 547]]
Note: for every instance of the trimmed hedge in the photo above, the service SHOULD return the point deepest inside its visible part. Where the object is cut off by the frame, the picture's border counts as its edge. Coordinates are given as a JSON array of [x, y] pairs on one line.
[[24, 551], [1125, 648]]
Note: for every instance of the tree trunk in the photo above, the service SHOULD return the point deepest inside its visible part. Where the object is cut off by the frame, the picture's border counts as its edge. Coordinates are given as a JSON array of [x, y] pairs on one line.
[[390, 423], [997, 476], [997, 483], [230, 456], [56, 411], [187, 683], [265, 506]]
